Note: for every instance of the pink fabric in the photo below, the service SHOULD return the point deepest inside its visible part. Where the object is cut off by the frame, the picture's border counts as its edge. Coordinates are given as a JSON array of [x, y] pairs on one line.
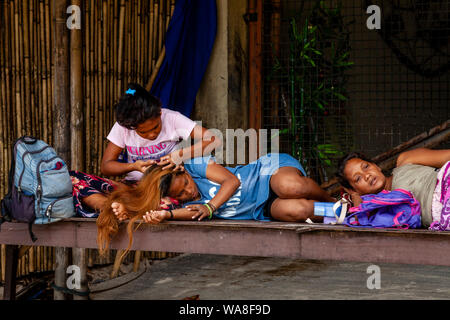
[[440, 208], [175, 126]]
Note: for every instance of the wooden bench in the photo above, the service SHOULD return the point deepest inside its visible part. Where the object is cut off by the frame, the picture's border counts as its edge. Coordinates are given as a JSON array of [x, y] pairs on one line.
[[242, 238]]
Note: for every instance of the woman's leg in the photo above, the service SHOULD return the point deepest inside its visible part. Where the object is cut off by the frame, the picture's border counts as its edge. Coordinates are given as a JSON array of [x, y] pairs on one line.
[[289, 183], [95, 201], [296, 196], [293, 210]]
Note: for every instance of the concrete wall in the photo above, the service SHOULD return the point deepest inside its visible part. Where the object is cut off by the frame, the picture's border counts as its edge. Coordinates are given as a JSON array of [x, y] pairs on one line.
[[222, 101]]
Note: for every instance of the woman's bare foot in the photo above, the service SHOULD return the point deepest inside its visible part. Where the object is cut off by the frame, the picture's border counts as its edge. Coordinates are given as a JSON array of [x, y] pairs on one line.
[[119, 211]]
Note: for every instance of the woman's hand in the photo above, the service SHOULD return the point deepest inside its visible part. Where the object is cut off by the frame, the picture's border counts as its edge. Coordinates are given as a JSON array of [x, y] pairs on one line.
[[200, 211], [155, 217], [142, 165], [168, 162]]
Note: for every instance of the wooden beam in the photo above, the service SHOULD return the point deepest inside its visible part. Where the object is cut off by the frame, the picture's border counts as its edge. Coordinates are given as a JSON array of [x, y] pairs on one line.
[[61, 115], [11, 260], [251, 238], [80, 259], [76, 98], [255, 17]]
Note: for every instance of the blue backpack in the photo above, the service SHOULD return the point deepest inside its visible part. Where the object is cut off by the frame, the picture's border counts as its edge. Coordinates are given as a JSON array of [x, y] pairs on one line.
[[40, 187]]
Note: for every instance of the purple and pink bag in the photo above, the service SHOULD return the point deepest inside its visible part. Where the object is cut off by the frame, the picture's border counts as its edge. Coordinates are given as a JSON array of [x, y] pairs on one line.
[[387, 209]]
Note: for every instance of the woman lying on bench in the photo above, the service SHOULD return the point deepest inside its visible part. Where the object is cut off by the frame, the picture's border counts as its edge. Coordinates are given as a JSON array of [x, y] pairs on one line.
[[423, 172], [273, 187]]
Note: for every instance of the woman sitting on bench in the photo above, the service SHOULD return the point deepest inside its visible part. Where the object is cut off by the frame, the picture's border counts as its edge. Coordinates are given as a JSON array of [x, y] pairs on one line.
[[423, 172], [273, 187]]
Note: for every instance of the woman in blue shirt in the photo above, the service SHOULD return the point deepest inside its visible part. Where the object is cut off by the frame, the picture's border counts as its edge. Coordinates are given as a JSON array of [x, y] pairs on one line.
[[273, 187]]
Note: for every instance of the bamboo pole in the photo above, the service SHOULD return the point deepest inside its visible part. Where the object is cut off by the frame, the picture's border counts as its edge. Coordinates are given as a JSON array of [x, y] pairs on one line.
[[120, 62], [161, 25], [28, 16], [156, 69], [36, 67], [32, 262], [92, 84], [61, 133], [3, 256], [17, 69], [76, 97], [3, 94], [79, 259], [49, 68], [38, 259], [44, 75], [6, 113], [137, 261], [117, 262], [97, 83], [155, 33], [87, 76], [103, 78], [128, 60], [151, 35], [139, 40], [111, 61]]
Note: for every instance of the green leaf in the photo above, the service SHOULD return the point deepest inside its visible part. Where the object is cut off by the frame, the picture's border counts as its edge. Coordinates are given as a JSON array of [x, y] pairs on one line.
[[282, 131], [340, 96]]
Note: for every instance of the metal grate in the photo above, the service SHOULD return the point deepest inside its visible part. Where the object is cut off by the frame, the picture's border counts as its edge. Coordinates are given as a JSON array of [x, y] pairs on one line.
[[389, 84]]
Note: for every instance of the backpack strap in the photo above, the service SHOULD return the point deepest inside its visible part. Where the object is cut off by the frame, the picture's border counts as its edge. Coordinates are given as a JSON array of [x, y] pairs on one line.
[[30, 231], [343, 204]]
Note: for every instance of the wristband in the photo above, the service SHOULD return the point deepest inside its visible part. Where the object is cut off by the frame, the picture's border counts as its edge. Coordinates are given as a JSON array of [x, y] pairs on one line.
[[210, 211], [171, 213], [212, 206]]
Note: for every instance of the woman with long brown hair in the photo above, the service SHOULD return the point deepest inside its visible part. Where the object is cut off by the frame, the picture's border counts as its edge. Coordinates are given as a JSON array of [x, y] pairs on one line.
[[137, 200], [274, 187]]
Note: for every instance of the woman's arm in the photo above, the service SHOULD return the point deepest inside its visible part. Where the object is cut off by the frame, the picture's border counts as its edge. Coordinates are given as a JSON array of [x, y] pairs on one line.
[[425, 157], [111, 167], [229, 183]]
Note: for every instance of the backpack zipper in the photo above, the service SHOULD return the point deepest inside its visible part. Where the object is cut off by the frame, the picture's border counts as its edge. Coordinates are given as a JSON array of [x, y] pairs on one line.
[[48, 211], [38, 173]]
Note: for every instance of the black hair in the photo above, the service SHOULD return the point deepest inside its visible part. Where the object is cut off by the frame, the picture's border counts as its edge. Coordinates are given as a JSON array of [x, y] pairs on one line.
[[343, 162], [136, 107], [165, 181]]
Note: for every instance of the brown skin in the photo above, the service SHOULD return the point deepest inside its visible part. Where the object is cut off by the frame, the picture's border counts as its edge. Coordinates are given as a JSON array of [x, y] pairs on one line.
[[367, 178], [150, 130], [184, 189], [295, 202]]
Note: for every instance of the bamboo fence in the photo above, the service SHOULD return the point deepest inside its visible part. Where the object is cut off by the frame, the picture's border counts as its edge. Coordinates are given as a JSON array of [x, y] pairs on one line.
[[122, 42]]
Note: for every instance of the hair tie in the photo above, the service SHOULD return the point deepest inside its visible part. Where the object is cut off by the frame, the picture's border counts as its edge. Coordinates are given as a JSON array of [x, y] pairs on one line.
[[131, 91]]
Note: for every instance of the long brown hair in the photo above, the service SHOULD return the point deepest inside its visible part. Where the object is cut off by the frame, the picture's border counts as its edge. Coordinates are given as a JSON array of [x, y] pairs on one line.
[[137, 201]]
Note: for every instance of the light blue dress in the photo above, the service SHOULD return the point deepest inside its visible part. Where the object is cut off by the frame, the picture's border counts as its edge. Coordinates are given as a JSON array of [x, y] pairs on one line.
[[248, 201]]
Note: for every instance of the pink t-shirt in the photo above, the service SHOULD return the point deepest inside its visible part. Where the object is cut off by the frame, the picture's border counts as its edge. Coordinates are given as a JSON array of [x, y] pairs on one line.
[[175, 128]]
